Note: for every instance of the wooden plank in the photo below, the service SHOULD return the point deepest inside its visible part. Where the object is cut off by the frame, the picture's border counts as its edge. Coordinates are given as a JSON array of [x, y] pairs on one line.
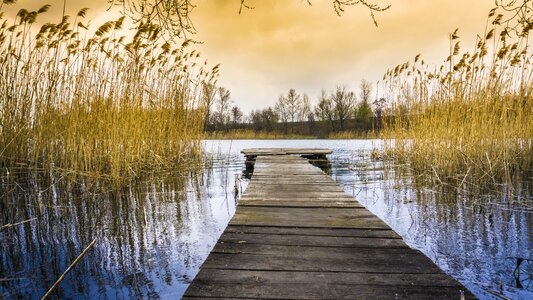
[[258, 188], [314, 241], [293, 203], [281, 284], [372, 260], [276, 171], [296, 195], [318, 253], [285, 151], [345, 198], [337, 232], [295, 183], [259, 290], [368, 223], [225, 276], [306, 217], [285, 177], [296, 234]]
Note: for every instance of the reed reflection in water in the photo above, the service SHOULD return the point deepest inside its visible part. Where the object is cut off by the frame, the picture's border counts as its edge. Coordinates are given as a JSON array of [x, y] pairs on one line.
[[153, 236], [482, 238]]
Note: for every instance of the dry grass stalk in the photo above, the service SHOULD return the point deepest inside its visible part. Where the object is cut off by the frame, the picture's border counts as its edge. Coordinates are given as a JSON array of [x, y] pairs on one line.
[[100, 105], [473, 116]]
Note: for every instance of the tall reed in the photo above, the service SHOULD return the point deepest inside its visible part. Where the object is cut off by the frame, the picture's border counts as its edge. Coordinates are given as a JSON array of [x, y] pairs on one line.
[[471, 119], [99, 104]]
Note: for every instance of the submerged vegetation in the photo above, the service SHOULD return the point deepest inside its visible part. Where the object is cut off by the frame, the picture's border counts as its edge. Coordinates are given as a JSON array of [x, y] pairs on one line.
[[471, 120], [102, 104]]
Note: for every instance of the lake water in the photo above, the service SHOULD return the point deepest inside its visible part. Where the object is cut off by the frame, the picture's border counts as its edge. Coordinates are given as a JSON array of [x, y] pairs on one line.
[[152, 237]]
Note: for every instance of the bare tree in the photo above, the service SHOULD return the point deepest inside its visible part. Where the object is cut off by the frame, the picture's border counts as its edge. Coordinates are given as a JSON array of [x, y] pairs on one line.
[[305, 110], [236, 115], [294, 104], [282, 110], [265, 119], [379, 106], [323, 109], [208, 93], [343, 104], [223, 107], [365, 90], [288, 107], [173, 16]]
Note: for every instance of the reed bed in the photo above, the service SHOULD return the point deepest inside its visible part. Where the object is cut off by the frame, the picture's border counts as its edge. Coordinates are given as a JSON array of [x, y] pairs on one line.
[[353, 134], [471, 119], [97, 104]]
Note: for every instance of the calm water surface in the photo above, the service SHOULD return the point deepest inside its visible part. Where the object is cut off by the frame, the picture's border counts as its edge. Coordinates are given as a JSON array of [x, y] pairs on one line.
[[153, 236]]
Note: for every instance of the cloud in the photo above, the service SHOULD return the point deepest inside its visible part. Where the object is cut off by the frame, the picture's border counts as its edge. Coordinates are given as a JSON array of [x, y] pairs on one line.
[[282, 44], [286, 43]]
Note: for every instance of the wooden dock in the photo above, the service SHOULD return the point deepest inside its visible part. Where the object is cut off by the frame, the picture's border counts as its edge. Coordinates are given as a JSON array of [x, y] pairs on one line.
[[297, 235]]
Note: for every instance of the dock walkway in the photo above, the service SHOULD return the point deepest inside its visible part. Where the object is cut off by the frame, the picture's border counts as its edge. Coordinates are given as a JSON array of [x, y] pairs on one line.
[[297, 235]]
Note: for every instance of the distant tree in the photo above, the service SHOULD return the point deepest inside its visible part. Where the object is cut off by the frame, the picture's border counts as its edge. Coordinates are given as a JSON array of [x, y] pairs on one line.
[[288, 107], [365, 89], [255, 119], [282, 110], [363, 115], [379, 106], [208, 93], [294, 104], [303, 113], [363, 111], [223, 107], [343, 105], [324, 109], [270, 118], [236, 115], [310, 117], [264, 120]]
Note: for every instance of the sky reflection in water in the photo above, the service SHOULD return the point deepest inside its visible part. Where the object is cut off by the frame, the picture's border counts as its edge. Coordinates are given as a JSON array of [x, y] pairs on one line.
[[152, 238]]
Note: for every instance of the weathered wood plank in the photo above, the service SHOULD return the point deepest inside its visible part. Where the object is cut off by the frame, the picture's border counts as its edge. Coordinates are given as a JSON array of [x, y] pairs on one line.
[[303, 204], [281, 284], [258, 188], [345, 198], [306, 217], [285, 151], [322, 291], [302, 259], [314, 241], [316, 252], [293, 195], [336, 232], [225, 276], [274, 181]]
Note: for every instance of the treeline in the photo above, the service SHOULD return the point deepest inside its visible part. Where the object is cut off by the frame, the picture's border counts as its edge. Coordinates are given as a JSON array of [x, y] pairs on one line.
[[293, 113]]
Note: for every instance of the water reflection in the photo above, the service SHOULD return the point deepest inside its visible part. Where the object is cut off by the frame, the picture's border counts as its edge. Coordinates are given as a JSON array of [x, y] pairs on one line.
[[477, 237], [153, 236]]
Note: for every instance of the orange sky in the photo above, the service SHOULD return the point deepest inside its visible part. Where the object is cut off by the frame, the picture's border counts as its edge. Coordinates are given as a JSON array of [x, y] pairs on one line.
[[284, 44]]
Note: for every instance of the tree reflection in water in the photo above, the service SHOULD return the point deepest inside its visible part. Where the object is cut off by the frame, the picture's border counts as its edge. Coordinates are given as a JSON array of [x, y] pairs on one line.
[[153, 236]]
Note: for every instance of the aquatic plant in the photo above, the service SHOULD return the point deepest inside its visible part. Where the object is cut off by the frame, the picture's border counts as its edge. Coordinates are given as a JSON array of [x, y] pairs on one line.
[[471, 119], [101, 105]]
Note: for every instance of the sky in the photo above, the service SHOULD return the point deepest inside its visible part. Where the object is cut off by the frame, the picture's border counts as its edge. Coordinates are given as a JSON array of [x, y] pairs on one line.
[[283, 44]]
